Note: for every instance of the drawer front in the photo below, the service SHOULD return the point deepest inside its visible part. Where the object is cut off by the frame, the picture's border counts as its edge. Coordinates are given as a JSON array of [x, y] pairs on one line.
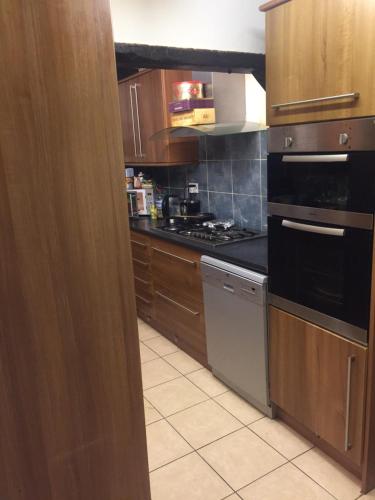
[[140, 246], [176, 273], [142, 269], [143, 287], [144, 307], [184, 326]]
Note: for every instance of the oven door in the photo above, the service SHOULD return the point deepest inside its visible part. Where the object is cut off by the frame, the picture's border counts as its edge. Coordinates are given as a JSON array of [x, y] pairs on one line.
[[333, 181], [321, 272]]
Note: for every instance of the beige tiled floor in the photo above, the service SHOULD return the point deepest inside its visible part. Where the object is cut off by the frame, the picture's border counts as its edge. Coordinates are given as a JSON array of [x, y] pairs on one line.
[[207, 443]]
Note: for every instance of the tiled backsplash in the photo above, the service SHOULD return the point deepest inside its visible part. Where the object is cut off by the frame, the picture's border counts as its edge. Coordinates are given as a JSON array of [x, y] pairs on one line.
[[232, 178]]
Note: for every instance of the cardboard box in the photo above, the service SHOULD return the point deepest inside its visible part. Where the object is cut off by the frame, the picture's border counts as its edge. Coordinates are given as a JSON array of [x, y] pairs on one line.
[[188, 104], [199, 116]]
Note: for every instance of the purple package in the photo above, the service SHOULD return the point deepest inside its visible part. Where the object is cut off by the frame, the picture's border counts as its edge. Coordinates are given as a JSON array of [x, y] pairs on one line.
[[188, 104]]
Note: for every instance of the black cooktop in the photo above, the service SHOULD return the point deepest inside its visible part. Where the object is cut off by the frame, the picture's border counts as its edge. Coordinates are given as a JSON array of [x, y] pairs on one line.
[[212, 233]]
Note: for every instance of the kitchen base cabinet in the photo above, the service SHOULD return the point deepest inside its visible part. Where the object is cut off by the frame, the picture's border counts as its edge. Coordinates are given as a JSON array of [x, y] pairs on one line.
[[318, 378], [169, 293]]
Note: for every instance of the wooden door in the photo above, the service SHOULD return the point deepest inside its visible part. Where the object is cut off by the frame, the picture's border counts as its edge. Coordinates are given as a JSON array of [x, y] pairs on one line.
[[293, 367], [151, 115], [71, 418], [341, 371], [320, 48], [128, 124]]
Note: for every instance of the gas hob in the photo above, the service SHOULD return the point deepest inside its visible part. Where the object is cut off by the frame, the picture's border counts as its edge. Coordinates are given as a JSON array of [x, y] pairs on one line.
[[213, 233]]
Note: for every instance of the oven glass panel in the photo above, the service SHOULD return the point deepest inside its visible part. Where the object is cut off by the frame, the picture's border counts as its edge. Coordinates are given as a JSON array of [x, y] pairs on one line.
[[346, 185], [330, 274]]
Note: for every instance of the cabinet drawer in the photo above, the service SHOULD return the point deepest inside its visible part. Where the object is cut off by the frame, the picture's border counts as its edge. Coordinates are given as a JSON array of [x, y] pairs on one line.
[[176, 270], [144, 307], [183, 325], [142, 269], [140, 247], [143, 287]]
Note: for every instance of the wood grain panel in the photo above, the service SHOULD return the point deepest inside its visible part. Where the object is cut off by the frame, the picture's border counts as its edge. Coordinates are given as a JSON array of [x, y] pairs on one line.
[[292, 367], [71, 418], [317, 49]]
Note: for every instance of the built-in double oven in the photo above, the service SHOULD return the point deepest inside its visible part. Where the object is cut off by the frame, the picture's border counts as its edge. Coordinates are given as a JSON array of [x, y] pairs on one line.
[[321, 202]]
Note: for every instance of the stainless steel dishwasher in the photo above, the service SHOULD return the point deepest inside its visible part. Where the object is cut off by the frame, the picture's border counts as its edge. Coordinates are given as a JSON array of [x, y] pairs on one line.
[[235, 303]]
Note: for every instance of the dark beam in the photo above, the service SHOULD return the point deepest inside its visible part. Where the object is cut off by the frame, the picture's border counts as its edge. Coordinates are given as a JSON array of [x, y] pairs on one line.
[[134, 56]]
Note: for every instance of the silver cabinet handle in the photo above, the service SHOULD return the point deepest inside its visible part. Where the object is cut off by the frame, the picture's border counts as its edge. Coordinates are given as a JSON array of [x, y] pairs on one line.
[[347, 444], [164, 297], [191, 262], [350, 95], [141, 262], [142, 281], [315, 158], [329, 231], [138, 243], [228, 288], [141, 154], [148, 302], [132, 112]]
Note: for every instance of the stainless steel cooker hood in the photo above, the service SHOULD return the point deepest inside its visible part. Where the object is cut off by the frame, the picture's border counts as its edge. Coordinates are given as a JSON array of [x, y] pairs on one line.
[[240, 106]]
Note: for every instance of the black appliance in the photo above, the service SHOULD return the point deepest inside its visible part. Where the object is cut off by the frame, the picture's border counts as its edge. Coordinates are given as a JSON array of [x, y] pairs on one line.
[[321, 203], [170, 205], [191, 205], [213, 233]]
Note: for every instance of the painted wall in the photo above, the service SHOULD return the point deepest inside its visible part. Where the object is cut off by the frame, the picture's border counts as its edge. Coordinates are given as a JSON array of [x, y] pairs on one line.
[[235, 25]]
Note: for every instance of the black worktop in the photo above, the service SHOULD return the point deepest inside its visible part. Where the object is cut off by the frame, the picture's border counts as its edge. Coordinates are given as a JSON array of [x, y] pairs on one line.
[[251, 254]]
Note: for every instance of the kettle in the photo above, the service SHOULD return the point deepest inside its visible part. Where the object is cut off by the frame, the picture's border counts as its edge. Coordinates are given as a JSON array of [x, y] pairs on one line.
[[170, 206]]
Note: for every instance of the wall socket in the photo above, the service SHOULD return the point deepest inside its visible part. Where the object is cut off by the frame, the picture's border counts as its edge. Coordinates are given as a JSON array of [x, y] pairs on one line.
[[193, 187]]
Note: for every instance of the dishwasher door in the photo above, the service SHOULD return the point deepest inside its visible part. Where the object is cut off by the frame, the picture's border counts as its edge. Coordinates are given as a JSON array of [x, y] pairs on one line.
[[235, 304]]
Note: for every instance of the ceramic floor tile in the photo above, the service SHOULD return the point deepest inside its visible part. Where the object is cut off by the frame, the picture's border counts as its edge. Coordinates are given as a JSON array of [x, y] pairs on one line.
[[147, 354], [164, 444], [188, 478], [238, 407], [183, 362], [233, 497], [151, 414], [329, 474], [161, 346], [174, 396], [241, 457], [204, 423], [281, 437], [146, 332], [207, 382], [284, 483], [156, 372]]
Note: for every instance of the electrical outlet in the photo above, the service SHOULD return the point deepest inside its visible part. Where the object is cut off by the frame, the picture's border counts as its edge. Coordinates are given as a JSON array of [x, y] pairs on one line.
[[193, 187]]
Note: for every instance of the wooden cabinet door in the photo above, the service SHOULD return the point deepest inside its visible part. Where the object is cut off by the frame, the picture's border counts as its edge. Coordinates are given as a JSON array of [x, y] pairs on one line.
[[292, 367], [318, 378], [341, 370], [320, 48], [126, 96], [151, 116]]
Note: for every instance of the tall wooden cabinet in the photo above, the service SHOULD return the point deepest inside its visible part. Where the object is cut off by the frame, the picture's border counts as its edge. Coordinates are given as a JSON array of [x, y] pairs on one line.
[[144, 100], [322, 50], [318, 378]]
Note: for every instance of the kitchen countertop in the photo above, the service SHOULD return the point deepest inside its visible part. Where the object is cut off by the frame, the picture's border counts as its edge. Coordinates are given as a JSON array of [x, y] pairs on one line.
[[251, 254]]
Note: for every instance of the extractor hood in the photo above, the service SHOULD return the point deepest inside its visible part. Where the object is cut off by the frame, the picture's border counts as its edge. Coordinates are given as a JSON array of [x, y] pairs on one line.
[[240, 106]]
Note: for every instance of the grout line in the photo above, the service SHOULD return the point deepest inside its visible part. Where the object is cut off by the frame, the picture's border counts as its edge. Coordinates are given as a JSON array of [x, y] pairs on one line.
[[270, 445], [171, 462], [312, 479], [219, 438], [183, 409], [184, 374], [209, 395], [260, 477], [161, 383]]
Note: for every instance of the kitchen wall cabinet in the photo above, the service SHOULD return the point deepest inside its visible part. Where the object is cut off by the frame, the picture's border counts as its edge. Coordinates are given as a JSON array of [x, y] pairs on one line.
[[144, 102], [169, 292], [318, 379], [319, 49]]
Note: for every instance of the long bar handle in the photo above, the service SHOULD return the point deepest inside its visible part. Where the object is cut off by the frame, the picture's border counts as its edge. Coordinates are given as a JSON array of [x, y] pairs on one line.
[[349, 95], [148, 302], [191, 262], [347, 444], [315, 158], [141, 262], [164, 297], [141, 154], [328, 231], [142, 281], [132, 111], [139, 243]]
